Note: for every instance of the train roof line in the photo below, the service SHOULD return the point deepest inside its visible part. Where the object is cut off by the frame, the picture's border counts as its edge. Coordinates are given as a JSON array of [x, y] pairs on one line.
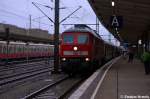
[[83, 28], [23, 43]]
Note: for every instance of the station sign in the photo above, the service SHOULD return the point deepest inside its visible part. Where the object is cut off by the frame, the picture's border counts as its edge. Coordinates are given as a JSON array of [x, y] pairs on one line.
[[116, 21]]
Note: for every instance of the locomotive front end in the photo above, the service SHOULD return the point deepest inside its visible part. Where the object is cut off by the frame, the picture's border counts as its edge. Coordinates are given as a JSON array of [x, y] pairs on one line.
[[75, 52]]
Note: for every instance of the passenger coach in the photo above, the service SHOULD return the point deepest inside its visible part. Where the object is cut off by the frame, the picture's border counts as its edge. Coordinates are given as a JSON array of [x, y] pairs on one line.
[[16, 51]]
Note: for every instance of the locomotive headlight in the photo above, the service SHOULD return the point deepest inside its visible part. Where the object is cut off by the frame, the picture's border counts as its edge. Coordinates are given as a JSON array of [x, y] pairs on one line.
[[87, 59], [75, 48], [63, 59]]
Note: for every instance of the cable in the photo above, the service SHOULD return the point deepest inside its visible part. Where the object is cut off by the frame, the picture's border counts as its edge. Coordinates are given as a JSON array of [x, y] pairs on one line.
[[8, 12], [12, 13], [74, 14]]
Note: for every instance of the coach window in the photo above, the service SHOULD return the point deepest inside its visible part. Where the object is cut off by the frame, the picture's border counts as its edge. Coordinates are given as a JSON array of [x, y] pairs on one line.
[[4, 49], [10, 49], [68, 39], [0, 49], [19, 49], [23, 49], [83, 39], [15, 49]]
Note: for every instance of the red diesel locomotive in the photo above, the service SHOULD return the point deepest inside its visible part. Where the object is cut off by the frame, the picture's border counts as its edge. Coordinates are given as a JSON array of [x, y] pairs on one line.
[[82, 50]]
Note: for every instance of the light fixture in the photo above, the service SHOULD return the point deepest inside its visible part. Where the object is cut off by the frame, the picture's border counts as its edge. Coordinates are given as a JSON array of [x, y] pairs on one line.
[[63, 59], [139, 42], [87, 59], [116, 29], [75, 48], [113, 3]]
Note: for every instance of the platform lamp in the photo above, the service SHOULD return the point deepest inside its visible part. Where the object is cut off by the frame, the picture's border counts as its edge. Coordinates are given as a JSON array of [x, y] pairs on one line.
[[112, 3], [139, 41], [139, 44]]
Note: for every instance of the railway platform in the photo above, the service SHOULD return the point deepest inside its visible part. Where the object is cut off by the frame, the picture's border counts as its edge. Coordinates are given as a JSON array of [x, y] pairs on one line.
[[119, 79]]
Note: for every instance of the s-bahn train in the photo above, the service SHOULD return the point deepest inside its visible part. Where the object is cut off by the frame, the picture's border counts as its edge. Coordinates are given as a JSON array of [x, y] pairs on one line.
[[82, 50], [19, 51]]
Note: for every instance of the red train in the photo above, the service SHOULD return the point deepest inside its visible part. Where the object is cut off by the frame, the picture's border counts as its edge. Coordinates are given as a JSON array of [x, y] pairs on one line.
[[18, 50], [82, 50]]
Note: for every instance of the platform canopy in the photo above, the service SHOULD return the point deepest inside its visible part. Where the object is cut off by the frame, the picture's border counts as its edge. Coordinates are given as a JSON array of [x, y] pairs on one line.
[[135, 15]]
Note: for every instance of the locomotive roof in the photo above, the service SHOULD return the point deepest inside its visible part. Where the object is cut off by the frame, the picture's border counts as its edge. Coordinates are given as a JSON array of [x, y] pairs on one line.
[[83, 28]]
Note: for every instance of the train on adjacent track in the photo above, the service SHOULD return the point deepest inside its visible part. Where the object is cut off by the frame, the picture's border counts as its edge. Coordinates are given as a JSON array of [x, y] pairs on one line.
[[82, 50], [22, 51]]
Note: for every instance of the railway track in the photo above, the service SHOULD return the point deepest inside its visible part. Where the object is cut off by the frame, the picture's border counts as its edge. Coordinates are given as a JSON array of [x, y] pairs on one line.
[[9, 83], [17, 74], [15, 66], [10, 64], [14, 78], [30, 85], [17, 70], [35, 85], [56, 90]]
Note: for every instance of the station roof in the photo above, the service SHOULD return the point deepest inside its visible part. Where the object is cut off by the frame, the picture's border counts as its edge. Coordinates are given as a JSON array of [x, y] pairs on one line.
[[135, 13]]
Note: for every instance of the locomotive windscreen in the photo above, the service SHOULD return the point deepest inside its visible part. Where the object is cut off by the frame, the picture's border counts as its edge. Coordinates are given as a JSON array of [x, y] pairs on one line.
[[78, 38], [68, 39], [82, 39]]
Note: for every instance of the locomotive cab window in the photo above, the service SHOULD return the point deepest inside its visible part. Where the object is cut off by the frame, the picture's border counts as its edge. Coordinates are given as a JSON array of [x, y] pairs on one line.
[[68, 39], [82, 39]]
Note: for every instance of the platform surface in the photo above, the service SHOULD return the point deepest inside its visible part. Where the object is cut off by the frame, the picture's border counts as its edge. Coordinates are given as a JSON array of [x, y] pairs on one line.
[[123, 80], [131, 83]]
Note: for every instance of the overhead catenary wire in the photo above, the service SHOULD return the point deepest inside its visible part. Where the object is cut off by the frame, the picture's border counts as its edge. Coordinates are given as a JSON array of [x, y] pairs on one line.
[[85, 12], [12, 13], [20, 16], [74, 14], [42, 12], [44, 5], [70, 14]]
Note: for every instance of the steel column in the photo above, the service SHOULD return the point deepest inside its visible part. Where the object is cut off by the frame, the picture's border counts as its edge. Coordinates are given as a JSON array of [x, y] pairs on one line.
[[56, 37]]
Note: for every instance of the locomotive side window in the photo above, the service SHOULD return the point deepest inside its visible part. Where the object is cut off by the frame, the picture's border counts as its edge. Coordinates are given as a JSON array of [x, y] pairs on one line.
[[83, 39], [68, 39]]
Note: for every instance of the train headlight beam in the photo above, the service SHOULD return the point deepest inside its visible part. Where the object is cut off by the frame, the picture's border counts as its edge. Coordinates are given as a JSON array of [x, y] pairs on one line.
[[63, 59], [87, 59], [75, 48]]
